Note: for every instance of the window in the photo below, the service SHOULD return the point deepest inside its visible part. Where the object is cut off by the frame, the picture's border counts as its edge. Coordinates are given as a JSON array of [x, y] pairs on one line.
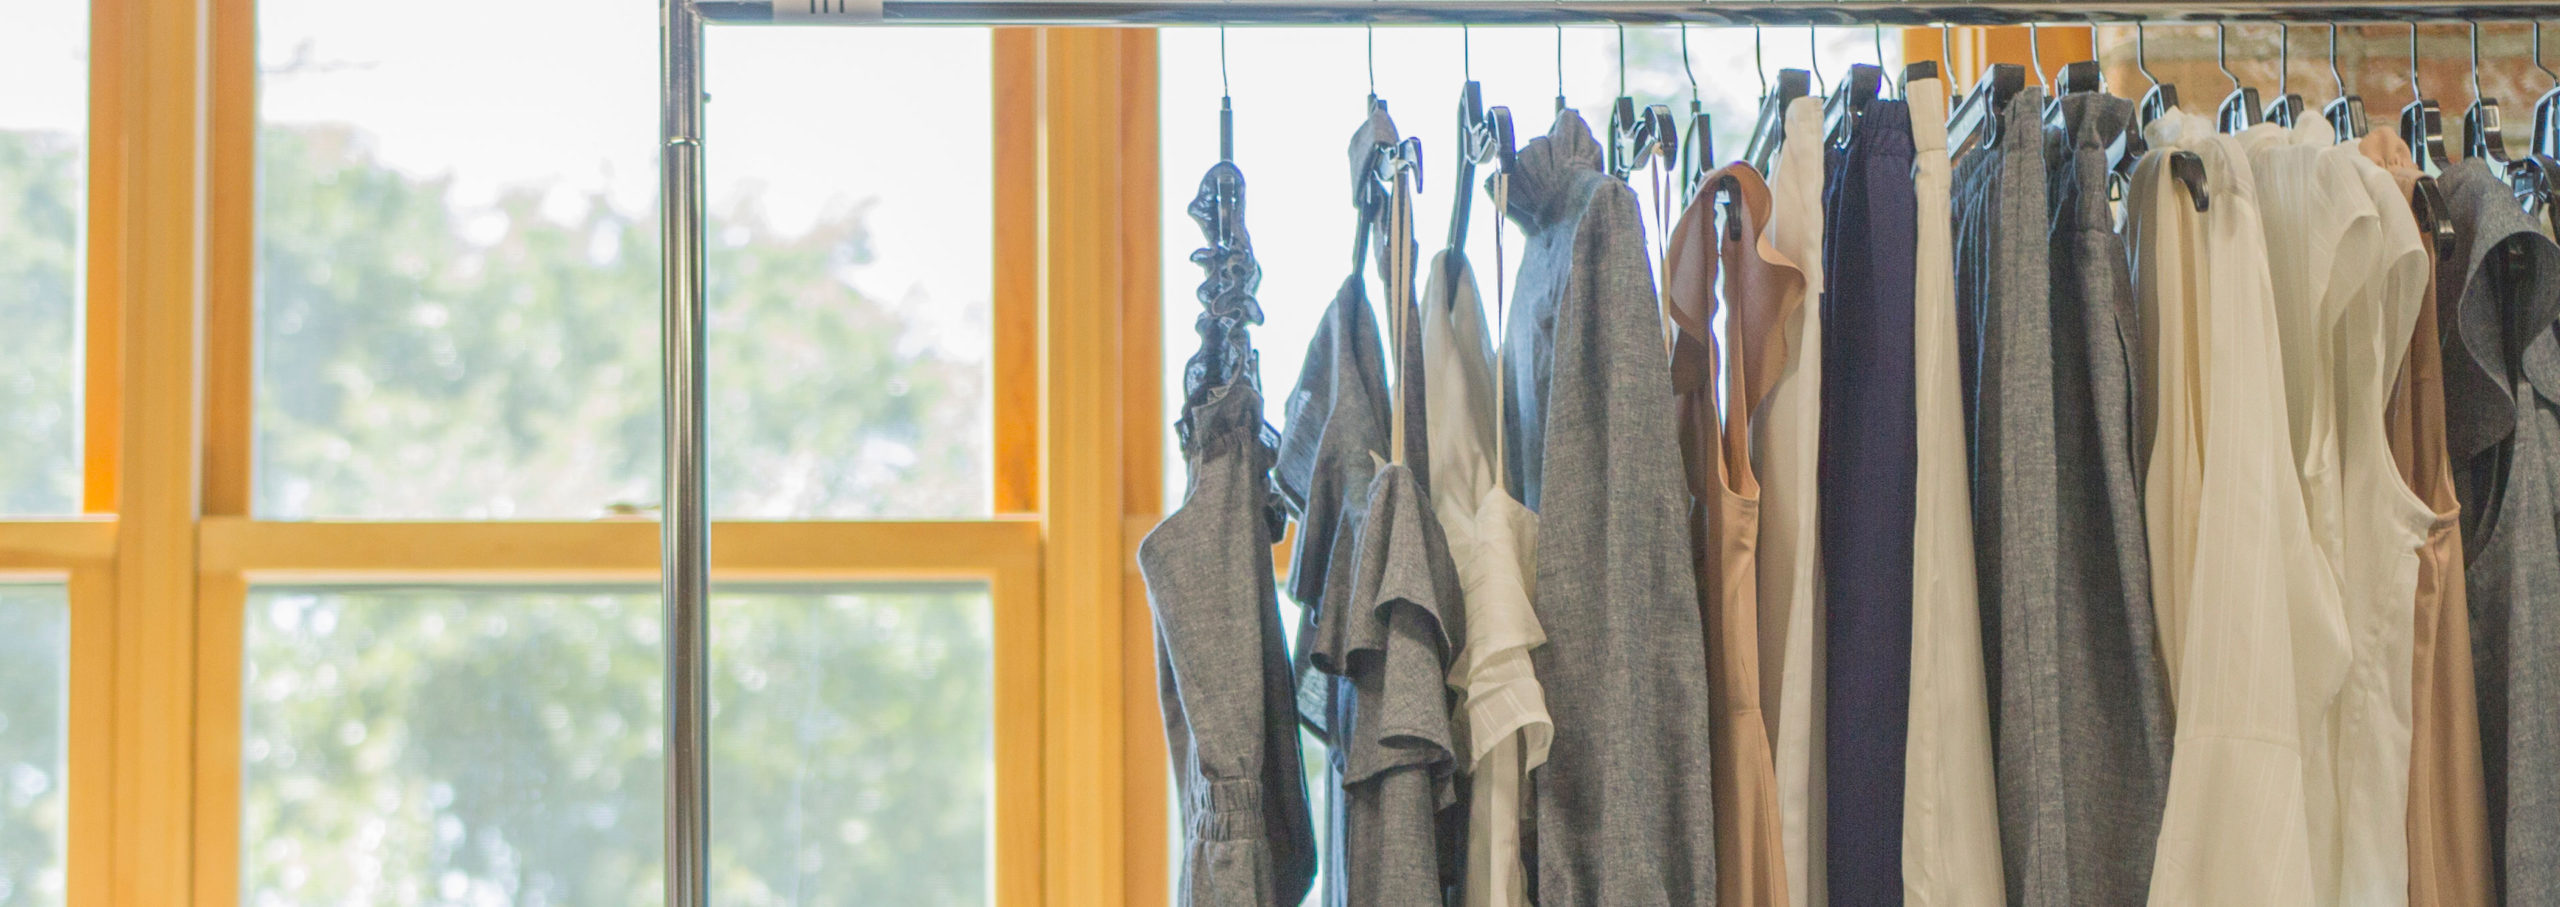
[[457, 270], [35, 662], [471, 744], [43, 164]]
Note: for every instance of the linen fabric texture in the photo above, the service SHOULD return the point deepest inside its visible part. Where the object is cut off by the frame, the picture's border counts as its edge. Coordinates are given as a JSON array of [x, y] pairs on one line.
[[1624, 805]]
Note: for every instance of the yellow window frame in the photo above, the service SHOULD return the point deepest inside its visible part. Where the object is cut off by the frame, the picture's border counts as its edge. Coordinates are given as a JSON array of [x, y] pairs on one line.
[[158, 569]]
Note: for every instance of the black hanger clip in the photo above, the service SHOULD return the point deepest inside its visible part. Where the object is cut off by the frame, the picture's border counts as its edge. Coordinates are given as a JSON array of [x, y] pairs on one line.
[[1697, 150], [2188, 170], [1976, 122], [1848, 102]]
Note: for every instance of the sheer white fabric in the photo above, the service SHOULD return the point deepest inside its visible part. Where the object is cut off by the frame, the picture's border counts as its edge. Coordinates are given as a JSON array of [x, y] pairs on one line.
[[1493, 540], [2233, 564]]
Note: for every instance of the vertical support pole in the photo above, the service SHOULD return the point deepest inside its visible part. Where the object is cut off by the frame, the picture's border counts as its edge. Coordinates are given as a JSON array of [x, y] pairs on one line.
[[684, 557]]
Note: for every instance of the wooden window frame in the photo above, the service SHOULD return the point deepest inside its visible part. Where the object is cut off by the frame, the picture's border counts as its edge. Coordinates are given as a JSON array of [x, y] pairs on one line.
[[159, 567]]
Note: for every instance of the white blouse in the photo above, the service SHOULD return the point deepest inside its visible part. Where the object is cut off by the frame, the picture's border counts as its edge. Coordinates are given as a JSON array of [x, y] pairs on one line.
[[1493, 539], [2234, 568]]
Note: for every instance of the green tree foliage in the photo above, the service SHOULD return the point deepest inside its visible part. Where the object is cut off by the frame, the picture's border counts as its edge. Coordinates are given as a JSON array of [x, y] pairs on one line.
[[40, 201], [470, 746], [420, 360], [35, 634]]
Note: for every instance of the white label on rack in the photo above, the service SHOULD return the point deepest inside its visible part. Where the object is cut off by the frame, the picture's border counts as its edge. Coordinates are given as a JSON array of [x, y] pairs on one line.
[[836, 10]]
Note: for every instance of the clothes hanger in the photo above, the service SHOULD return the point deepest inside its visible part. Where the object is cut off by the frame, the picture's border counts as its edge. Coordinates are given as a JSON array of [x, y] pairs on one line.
[[2346, 114], [1226, 105], [2184, 166], [2286, 109], [2078, 77], [2240, 109], [1947, 56], [1388, 167], [1698, 147], [2163, 96], [2481, 137], [1917, 70], [2533, 176], [1637, 135], [1770, 129], [2422, 127], [1483, 135], [1560, 105], [1976, 122], [1848, 103], [1383, 190], [2422, 122], [2546, 112], [2035, 55]]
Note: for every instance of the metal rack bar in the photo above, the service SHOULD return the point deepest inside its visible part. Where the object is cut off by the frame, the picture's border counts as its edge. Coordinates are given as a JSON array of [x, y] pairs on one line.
[[684, 523], [1569, 12]]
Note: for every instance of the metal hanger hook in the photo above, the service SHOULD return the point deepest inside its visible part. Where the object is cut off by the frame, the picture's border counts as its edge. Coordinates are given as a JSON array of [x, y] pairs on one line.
[[1371, 32], [1466, 53], [1879, 28], [2415, 95], [2475, 60], [1684, 62], [1813, 49], [2537, 53], [2221, 35], [1226, 88], [1622, 59], [2035, 55], [1559, 69], [2334, 74], [2142, 53], [1759, 63], [2284, 58]]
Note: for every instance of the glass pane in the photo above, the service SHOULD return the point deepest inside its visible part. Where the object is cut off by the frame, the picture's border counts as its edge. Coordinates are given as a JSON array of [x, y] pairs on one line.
[[35, 669], [44, 59], [458, 268], [503, 746]]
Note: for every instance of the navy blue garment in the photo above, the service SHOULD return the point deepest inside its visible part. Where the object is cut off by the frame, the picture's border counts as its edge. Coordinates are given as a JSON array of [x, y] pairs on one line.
[[1868, 488]]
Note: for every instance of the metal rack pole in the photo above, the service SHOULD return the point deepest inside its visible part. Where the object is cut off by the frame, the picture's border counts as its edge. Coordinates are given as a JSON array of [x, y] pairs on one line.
[[685, 530], [1568, 12]]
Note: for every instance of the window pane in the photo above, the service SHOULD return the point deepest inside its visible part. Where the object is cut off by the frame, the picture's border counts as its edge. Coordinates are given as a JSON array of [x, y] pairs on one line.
[[458, 268], [44, 59], [503, 746], [35, 668]]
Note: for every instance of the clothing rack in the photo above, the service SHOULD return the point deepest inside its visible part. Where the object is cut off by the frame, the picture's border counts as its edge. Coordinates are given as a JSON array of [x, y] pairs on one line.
[[1590, 12], [685, 540]]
